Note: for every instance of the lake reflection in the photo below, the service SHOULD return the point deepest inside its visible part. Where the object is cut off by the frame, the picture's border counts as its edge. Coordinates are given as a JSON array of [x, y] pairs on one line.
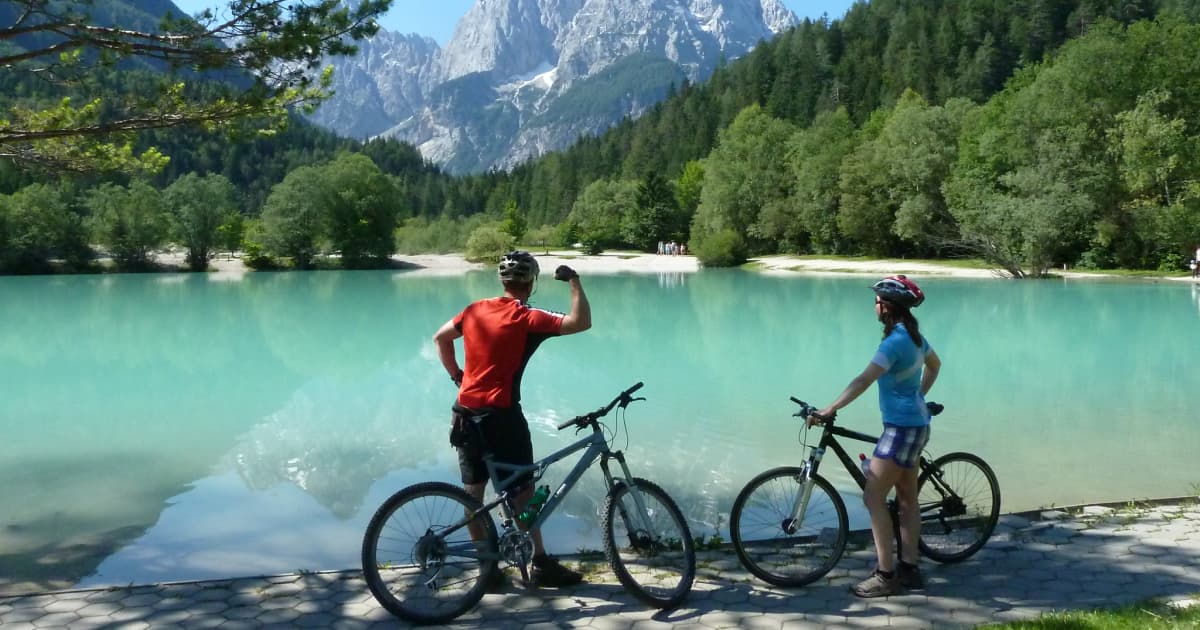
[[178, 427]]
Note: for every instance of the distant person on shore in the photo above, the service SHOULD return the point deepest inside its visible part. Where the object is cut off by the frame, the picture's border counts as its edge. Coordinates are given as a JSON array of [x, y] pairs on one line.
[[1196, 263], [905, 366], [500, 334]]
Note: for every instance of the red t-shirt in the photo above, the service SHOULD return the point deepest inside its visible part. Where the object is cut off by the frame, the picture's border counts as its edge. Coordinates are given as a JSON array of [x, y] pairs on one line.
[[499, 336]]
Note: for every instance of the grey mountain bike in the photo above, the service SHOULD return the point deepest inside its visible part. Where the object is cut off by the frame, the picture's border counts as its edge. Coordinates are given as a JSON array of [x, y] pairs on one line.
[[422, 565], [789, 525]]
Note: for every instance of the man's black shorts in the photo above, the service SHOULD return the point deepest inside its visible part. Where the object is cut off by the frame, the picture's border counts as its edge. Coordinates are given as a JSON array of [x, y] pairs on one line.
[[503, 431]]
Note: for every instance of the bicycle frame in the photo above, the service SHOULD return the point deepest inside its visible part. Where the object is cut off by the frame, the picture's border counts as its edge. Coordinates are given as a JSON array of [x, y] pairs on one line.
[[596, 448], [828, 440], [951, 502]]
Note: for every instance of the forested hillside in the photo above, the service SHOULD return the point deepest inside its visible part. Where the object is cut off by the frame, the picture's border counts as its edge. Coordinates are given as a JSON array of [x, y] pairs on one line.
[[1033, 133]]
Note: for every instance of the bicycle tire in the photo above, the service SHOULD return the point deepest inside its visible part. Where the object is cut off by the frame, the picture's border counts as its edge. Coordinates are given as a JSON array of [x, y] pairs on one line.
[[954, 527], [758, 521], [408, 565], [658, 567]]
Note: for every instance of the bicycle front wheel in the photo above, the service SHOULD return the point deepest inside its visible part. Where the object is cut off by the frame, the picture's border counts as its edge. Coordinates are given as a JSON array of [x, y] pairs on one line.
[[651, 551], [779, 546], [417, 565], [959, 500]]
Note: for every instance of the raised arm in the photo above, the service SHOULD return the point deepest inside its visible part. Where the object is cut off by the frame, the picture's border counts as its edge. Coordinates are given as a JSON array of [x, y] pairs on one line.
[[444, 338], [580, 317]]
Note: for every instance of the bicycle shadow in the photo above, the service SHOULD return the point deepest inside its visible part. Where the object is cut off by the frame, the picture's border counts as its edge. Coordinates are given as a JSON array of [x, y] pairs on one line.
[[1028, 568]]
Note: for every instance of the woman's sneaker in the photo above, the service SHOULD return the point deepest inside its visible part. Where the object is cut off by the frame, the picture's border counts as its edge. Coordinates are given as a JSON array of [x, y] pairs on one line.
[[910, 576], [878, 585], [548, 571]]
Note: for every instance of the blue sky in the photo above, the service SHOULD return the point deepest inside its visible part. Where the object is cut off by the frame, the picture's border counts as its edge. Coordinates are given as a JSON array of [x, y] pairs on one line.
[[436, 18]]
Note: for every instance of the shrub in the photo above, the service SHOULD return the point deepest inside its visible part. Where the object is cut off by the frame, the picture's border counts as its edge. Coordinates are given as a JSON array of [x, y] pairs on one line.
[[721, 249], [488, 243]]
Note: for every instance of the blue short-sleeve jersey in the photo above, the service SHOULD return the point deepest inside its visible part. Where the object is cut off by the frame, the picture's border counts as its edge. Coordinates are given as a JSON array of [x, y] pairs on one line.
[[900, 398]]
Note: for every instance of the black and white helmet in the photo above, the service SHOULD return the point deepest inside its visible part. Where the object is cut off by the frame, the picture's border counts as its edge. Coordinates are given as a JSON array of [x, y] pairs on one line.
[[518, 266], [899, 290]]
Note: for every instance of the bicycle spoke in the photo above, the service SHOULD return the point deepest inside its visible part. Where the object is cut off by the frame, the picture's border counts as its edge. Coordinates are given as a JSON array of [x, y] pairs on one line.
[[781, 547], [960, 502], [418, 557], [651, 551]]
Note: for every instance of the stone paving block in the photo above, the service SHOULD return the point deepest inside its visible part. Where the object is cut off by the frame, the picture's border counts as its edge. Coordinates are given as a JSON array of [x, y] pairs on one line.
[[55, 620], [801, 624], [65, 605], [243, 612], [1068, 563], [205, 621], [213, 594], [210, 607]]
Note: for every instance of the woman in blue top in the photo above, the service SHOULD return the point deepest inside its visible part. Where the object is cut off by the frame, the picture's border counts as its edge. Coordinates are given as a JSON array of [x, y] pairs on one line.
[[906, 367]]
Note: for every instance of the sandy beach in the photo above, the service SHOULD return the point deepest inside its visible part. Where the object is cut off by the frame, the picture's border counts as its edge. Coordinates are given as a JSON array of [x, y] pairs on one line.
[[636, 262]]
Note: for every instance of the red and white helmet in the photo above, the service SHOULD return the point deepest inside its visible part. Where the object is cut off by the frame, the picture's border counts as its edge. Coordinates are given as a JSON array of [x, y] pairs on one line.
[[899, 290]]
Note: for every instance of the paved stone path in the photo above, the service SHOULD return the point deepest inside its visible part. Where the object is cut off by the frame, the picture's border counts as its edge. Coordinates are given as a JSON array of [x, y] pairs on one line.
[[1054, 561]]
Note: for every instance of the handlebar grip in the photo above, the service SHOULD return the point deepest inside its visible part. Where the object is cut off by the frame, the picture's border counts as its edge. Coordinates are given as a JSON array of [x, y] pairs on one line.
[[633, 389], [797, 401], [571, 422], [820, 418]]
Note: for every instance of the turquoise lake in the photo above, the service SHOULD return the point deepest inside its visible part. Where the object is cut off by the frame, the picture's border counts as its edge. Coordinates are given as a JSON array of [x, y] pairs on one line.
[[171, 427]]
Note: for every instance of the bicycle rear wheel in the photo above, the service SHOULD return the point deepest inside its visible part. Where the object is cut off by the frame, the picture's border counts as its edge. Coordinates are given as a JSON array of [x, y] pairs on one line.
[[960, 504], [652, 552], [417, 569], [778, 549]]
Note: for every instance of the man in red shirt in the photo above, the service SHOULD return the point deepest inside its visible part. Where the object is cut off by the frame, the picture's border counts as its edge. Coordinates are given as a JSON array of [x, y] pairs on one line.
[[499, 336]]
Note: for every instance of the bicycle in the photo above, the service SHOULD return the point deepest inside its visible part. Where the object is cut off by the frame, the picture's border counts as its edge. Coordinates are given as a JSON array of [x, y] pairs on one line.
[[789, 524], [417, 552]]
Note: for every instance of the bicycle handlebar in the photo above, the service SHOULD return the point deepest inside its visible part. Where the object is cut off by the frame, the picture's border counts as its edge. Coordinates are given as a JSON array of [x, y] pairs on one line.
[[808, 411], [623, 399]]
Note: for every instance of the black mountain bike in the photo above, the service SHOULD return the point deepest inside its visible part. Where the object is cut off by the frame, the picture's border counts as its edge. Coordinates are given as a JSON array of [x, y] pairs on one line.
[[789, 525], [422, 564]]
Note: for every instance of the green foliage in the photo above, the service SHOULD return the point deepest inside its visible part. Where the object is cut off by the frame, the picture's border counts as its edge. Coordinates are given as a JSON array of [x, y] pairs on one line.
[[746, 180], [1035, 183], [724, 248], [230, 232], [1149, 615], [882, 132], [513, 223], [130, 222], [488, 243], [815, 157], [596, 215], [419, 235], [254, 252], [199, 208], [267, 50], [39, 224], [359, 205], [654, 216], [688, 187], [292, 217], [545, 236]]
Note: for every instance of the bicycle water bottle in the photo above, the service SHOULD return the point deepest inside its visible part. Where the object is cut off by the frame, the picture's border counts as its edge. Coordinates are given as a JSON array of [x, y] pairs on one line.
[[534, 506], [866, 464]]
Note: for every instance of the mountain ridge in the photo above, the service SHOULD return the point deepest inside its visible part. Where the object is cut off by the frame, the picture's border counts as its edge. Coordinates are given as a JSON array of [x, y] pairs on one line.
[[523, 57]]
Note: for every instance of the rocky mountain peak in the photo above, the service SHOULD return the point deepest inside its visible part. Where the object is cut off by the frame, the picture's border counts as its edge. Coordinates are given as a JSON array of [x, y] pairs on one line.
[[506, 86]]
